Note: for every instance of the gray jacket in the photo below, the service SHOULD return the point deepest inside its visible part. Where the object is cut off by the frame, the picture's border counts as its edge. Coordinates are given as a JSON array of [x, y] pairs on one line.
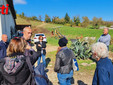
[[64, 61]]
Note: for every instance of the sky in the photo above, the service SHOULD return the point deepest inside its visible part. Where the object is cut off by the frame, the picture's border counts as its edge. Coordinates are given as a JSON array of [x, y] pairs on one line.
[[89, 8]]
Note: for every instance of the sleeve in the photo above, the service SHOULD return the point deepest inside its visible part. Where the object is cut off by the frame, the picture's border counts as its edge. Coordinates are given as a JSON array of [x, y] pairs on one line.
[[37, 47], [57, 63], [1, 78], [95, 78], [44, 45], [107, 39], [98, 40], [34, 56], [103, 77], [2, 52]]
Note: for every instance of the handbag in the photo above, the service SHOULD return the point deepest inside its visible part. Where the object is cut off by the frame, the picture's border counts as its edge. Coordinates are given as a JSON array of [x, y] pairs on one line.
[[75, 65]]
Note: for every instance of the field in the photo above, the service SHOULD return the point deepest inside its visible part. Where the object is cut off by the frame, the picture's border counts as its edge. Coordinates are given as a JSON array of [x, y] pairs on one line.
[[85, 75]]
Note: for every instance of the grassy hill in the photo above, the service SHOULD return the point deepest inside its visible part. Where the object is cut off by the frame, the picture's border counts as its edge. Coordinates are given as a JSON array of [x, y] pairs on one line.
[[69, 32]]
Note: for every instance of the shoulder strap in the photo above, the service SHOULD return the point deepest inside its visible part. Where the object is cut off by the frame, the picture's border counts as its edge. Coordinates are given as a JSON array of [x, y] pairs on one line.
[[32, 70], [30, 66]]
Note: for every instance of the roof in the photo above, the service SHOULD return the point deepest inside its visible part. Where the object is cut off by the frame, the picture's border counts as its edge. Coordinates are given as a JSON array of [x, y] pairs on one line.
[[21, 26], [11, 6]]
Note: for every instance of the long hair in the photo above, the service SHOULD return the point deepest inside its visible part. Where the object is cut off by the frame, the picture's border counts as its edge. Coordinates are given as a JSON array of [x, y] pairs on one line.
[[16, 45]]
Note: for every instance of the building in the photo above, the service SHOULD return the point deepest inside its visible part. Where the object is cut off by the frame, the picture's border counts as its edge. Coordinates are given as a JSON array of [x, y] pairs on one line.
[[7, 22]]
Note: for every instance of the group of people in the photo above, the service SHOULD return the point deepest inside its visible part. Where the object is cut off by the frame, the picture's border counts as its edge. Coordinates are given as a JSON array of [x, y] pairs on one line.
[[15, 71]]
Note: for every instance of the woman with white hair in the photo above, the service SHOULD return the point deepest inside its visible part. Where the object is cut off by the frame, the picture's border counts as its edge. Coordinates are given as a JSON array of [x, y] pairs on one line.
[[104, 68]]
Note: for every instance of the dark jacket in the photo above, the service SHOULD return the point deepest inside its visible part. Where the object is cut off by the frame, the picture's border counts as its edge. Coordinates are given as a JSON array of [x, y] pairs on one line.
[[3, 48], [103, 73], [42, 46], [16, 73], [63, 62]]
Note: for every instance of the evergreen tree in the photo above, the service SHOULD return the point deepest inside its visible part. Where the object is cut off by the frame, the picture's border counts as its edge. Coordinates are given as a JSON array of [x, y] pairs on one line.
[[67, 18]]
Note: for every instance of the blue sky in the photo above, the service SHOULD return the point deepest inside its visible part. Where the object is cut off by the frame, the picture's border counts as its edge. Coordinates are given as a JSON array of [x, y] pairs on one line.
[[89, 8]]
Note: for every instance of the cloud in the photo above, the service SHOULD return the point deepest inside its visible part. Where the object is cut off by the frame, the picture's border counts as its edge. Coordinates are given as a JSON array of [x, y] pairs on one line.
[[20, 2]]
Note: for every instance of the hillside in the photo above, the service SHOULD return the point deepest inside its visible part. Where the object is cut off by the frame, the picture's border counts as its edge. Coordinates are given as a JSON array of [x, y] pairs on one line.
[[69, 32], [86, 67]]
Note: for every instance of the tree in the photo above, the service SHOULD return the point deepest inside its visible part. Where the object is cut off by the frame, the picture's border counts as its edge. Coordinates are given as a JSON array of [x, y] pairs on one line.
[[34, 18], [40, 18], [67, 18], [47, 18], [22, 14], [95, 23], [85, 22], [57, 20], [77, 20], [100, 21]]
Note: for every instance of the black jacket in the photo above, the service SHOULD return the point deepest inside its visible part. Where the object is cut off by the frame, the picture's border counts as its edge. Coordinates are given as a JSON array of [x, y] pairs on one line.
[[22, 76], [64, 61], [43, 46]]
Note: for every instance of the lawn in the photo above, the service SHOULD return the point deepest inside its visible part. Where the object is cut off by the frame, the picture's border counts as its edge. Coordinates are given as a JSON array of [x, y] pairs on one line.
[[69, 32]]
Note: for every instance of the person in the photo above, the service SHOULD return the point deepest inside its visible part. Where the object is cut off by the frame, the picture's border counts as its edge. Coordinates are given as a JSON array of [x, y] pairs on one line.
[[14, 68], [41, 46], [3, 46], [104, 69], [27, 33], [63, 63], [105, 37]]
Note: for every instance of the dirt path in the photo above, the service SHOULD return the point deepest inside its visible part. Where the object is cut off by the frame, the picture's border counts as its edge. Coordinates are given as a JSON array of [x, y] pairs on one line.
[[80, 78], [49, 48], [42, 25]]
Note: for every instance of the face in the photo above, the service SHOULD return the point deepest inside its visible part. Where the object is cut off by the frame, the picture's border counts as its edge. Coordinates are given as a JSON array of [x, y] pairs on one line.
[[41, 40], [4, 38], [95, 57], [105, 32], [27, 34]]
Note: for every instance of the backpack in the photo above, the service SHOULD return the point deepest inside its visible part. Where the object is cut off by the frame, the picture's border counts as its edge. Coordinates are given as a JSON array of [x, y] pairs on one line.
[[75, 65], [39, 76]]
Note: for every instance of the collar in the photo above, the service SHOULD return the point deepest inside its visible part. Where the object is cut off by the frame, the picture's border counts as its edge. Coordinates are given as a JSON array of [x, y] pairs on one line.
[[3, 41], [63, 48], [14, 54]]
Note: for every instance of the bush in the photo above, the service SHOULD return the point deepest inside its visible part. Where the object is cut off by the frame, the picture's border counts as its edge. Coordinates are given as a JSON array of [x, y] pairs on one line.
[[81, 49]]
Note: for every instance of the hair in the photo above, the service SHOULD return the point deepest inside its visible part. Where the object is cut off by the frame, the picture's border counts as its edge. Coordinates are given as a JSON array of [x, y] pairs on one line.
[[100, 49], [40, 37], [62, 42], [16, 45]]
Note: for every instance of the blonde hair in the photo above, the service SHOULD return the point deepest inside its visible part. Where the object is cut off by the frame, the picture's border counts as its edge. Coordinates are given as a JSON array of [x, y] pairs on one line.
[[17, 45]]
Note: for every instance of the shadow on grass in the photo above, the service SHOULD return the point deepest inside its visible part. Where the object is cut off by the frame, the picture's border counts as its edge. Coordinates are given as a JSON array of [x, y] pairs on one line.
[[81, 82]]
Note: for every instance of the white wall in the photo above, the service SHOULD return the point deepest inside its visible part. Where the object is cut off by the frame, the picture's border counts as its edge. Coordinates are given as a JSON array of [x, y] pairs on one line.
[[7, 22]]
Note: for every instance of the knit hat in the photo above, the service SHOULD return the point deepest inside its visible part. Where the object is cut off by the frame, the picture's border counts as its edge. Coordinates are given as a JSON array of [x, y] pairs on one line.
[[63, 42]]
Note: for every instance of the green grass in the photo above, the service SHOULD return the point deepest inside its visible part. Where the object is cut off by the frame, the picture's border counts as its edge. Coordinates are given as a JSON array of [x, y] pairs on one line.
[[69, 32], [92, 67], [52, 41], [82, 68]]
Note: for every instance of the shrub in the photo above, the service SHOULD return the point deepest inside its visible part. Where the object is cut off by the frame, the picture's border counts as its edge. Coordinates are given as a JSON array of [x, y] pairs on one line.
[[81, 49]]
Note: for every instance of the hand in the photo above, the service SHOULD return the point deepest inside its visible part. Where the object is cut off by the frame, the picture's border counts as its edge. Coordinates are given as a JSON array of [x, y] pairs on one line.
[[28, 47], [43, 48], [39, 45]]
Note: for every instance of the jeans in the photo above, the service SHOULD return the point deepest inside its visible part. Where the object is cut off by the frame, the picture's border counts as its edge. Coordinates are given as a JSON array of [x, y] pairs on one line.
[[108, 48], [43, 58], [65, 79]]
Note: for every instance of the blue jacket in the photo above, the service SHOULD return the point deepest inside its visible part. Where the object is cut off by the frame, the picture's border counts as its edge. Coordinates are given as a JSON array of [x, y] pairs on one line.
[[3, 47], [103, 73]]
